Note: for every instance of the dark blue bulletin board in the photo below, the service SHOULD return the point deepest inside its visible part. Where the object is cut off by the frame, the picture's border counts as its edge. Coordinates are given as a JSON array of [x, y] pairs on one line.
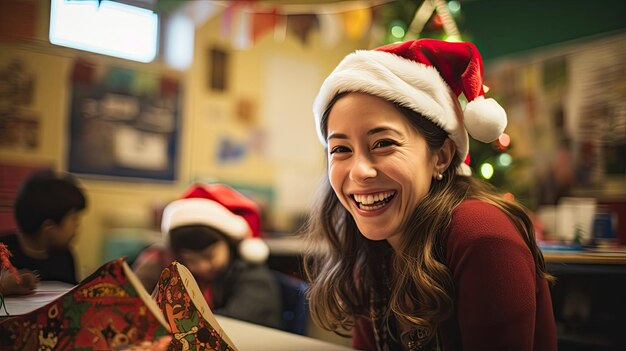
[[123, 123]]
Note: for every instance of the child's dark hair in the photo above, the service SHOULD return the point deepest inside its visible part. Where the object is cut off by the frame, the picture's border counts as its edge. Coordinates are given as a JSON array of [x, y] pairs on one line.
[[195, 238], [46, 195]]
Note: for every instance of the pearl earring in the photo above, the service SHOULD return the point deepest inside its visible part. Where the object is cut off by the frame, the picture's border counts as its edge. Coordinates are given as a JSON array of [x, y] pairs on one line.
[[439, 176]]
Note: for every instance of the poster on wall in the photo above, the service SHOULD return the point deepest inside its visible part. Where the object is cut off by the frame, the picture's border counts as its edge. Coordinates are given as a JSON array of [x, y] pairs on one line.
[[123, 123], [19, 121], [567, 118]]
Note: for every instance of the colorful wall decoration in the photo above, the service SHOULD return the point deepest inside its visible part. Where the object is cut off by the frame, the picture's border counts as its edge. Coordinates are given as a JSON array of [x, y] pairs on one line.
[[19, 121], [567, 120], [123, 123]]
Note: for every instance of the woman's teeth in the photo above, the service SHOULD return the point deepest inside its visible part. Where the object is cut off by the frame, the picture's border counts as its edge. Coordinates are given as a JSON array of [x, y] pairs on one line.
[[372, 202]]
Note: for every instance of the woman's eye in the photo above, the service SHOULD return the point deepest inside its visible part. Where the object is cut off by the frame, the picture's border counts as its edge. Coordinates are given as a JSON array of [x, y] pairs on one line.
[[384, 143], [339, 149]]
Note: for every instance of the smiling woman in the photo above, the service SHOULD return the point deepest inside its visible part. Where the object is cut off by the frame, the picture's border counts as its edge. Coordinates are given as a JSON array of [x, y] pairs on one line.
[[420, 255], [379, 165]]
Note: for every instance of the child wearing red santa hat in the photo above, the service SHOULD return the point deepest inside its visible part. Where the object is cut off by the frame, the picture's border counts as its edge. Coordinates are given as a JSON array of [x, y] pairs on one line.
[[213, 230], [407, 249]]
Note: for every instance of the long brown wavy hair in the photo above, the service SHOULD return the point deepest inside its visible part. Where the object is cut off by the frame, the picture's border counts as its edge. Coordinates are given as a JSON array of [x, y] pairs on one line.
[[342, 266]]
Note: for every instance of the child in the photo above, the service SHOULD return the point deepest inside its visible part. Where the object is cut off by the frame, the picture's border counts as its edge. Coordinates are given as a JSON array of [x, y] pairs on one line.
[[208, 231], [47, 209], [417, 254]]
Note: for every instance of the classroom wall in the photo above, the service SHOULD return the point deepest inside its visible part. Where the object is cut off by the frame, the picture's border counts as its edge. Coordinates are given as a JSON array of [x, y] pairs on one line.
[[289, 162]]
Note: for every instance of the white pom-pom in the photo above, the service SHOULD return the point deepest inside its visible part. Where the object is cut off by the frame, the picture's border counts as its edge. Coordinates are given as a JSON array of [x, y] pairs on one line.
[[254, 250], [464, 170], [485, 119]]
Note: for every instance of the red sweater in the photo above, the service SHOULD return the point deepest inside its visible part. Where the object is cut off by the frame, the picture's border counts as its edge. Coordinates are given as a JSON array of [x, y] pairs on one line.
[[500, 304]]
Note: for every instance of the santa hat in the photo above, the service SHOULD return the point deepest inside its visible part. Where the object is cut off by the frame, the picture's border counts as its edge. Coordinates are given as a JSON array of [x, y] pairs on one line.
[[426, 76], [220, 207]]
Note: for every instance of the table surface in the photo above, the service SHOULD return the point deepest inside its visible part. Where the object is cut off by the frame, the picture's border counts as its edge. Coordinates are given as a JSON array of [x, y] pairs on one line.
[[585, 257], [252, 337]]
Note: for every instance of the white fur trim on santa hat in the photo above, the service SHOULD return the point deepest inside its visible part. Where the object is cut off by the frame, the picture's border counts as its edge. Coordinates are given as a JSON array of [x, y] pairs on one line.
[[254, 250], [485, 119], [197, 211], [394, 78]]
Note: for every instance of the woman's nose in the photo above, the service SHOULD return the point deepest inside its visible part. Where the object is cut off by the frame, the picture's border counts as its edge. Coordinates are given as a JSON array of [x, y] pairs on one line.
[[363, 169]]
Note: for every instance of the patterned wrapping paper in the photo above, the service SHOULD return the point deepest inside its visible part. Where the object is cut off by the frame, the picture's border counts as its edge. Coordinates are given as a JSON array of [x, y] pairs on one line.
[[107, 310], [189, 317]]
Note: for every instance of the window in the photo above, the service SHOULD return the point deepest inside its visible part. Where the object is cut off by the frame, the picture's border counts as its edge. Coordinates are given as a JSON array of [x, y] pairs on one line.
[[108, 28]]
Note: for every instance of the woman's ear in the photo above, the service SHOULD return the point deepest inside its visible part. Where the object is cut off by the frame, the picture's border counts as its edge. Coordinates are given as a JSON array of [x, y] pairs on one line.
[[443, 157]]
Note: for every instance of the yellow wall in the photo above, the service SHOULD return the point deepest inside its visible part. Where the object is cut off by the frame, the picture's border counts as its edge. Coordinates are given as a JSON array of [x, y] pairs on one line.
[[206, 115]]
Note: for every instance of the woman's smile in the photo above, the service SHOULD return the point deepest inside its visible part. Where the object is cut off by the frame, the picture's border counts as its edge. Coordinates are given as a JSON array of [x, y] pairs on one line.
[[372, 202]]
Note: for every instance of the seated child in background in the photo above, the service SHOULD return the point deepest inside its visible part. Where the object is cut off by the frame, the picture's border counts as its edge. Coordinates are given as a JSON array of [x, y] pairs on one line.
[[47, 209], [208, 231]]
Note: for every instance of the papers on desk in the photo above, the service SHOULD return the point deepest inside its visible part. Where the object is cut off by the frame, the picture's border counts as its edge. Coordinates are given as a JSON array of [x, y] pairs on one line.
[[572, 248], [45, 293], [615, 250]]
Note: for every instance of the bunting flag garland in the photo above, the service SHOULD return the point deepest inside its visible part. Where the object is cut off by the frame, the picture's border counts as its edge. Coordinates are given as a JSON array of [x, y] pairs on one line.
[[331, 28], [262, 23], [302, 26], [280, 30], [242, 34], [226, 22], [357, 22], [247, 22]]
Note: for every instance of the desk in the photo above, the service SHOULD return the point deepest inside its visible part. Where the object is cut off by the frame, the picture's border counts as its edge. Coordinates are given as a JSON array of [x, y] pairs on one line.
[[584, 257], [585, 262], [252, 337], [588, 298]]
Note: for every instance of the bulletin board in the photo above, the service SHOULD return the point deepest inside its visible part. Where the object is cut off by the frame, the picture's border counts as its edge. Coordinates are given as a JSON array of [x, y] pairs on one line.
[[567, 116], [123, 123]]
